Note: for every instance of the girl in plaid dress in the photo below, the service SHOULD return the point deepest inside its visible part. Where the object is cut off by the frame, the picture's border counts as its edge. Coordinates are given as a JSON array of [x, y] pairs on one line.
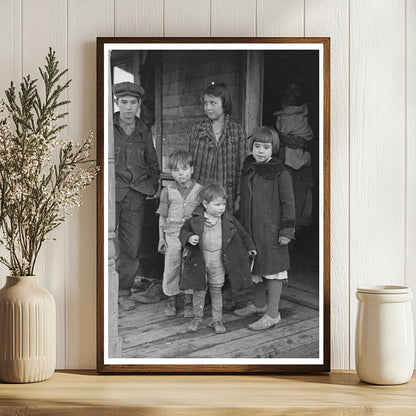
[[218, 145]]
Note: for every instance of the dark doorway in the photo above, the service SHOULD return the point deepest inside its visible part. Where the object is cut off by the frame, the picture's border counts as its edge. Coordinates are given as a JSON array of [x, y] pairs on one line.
[[282, 68]]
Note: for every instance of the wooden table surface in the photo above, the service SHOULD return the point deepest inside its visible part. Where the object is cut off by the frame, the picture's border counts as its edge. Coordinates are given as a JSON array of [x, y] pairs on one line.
[[86, 393]]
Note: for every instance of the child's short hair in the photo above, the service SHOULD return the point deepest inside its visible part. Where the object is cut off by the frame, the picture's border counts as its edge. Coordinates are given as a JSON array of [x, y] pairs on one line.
[[265, 134], [219, 89], [212, 191], [179, 158]]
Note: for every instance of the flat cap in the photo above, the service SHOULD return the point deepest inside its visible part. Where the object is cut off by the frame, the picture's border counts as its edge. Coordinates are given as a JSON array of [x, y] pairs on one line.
[[128, 88]]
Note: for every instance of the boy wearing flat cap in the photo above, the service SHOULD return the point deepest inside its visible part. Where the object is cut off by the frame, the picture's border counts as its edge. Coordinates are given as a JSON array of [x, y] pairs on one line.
[[137, 178]]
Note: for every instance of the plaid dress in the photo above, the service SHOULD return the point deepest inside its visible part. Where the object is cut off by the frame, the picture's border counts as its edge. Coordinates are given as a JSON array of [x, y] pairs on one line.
[[219, 162]]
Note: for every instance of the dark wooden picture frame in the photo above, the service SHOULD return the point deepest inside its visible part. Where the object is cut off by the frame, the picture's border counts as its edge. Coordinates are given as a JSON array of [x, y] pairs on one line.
[[256, 69]]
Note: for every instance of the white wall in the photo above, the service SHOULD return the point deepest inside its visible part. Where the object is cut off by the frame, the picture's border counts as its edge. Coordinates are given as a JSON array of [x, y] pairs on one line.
[[373, 130]]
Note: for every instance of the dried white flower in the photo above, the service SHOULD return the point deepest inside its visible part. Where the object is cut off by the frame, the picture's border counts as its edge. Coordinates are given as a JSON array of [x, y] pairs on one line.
[[42, 176]]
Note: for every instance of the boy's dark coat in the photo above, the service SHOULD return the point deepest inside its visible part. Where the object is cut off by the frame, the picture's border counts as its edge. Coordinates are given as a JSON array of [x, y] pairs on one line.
[[236, 243]]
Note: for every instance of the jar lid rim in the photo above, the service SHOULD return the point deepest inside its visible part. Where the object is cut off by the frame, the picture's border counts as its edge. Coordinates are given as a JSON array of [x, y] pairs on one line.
[[384, 289]]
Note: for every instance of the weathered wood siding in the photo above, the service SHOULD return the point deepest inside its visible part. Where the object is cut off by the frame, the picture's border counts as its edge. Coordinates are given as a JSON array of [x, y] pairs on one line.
[[184, 77]]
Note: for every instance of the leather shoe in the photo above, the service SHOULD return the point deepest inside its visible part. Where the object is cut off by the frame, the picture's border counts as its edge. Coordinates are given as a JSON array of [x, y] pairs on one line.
[[126, 303], [141, 283], [153, 294], [218, 327], [265, 322], [250, 309], [194, 325]]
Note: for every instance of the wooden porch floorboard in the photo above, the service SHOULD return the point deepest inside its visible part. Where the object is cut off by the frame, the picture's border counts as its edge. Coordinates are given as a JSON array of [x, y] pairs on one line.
[[147, 333]]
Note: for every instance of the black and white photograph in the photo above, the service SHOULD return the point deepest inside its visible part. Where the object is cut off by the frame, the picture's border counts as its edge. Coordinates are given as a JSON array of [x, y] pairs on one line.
[[214, 205]]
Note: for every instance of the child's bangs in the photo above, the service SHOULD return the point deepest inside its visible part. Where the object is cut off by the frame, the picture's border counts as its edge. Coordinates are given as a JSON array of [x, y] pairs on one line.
[[176, 164], [262, 138], [179, 159], [211, 192], [265, 135]]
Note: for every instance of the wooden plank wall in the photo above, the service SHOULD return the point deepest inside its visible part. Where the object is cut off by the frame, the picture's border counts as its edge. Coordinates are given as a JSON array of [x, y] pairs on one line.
[[184, 79], [373, 154]]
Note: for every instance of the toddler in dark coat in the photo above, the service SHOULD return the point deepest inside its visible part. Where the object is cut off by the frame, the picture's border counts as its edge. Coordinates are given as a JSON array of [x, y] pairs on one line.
[[267, 211], [215, 243]]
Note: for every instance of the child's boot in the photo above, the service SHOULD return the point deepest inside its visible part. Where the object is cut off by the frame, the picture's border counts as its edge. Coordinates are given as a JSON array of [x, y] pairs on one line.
[[126, 303], [187, 306], [194, 325], [170, 309], [218, 327]]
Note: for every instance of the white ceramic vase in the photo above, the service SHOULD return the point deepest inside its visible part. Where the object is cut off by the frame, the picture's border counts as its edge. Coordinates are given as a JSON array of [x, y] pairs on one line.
[[384, 338], [27, 331]]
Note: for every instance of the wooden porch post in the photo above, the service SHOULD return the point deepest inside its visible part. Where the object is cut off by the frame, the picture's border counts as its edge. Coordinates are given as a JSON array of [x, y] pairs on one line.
[[253, 106], [114, 341]]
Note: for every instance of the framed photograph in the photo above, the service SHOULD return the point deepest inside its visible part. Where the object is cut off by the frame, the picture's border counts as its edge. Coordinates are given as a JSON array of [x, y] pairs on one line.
[[213, 205]]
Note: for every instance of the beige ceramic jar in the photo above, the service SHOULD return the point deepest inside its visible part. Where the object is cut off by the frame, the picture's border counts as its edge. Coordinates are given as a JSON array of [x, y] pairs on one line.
[[384, 341], [27, 331]]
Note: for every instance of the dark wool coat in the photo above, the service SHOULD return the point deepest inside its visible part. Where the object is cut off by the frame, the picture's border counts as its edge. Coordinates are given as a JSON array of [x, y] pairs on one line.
[[267, 211], [218, 162], [236, 243]]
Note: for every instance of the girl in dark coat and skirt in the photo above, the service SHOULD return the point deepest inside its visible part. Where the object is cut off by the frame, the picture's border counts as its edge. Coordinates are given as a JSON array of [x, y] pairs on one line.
[[267, 211]]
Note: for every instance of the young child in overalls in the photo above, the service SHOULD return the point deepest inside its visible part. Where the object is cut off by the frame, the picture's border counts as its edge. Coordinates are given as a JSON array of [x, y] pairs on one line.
[[177, 201], [215, 244]]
